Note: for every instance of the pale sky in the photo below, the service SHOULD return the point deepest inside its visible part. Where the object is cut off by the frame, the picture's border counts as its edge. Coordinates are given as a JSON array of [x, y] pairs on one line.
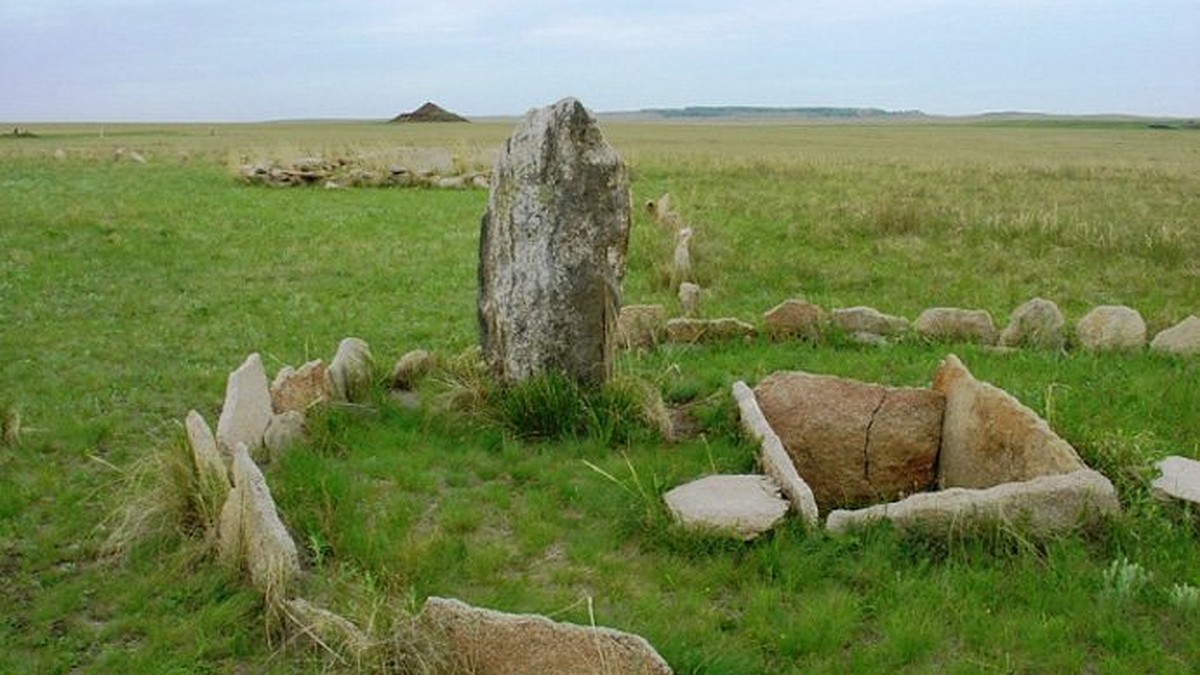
[[248, 60]]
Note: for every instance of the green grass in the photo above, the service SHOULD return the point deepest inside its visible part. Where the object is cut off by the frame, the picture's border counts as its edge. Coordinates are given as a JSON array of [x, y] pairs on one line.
[[129, 291]]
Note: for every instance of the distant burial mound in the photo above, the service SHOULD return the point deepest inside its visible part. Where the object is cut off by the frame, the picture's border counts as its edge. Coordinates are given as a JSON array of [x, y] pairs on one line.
[[430, 112]]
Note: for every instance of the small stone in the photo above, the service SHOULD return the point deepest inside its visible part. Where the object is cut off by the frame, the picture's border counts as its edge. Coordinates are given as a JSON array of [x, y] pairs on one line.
[[247, 409], [641, 326], [1038, 323], [956, 325], [412, 368], [1183, 338], [300, 389], [1180, 479], [869, 339], [689, 298], [487, 642], [351, 370], [688, 331], [1111, 327], [285, 430], [451, 183], [868, 320], [795, 319], [741, 506], [327, 629]]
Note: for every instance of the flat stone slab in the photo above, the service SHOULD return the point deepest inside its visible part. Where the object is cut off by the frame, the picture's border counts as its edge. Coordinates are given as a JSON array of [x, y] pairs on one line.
[[743, 506], [1045, 505], [1180, 479], [772, 456]]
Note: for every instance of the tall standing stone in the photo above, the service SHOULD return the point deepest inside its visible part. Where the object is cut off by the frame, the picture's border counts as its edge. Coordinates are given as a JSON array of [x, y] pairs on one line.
[[552, 248]]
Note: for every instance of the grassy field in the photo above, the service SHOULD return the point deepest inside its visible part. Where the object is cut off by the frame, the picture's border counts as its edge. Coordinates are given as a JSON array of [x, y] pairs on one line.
[[129, 290]]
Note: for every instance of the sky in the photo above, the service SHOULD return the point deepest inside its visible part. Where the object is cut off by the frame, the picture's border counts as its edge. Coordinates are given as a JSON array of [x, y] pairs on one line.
[[253, 60]]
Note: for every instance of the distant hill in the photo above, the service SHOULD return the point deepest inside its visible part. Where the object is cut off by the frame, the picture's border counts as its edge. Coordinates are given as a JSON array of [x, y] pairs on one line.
[[429, 112], [759, 112]]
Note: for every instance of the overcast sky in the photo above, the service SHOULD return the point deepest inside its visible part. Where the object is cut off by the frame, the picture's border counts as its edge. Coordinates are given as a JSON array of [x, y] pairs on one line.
[[235, 60]]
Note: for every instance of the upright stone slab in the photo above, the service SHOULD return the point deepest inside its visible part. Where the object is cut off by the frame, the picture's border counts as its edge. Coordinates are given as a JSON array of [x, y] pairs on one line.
[[247, 409], [552, 248]]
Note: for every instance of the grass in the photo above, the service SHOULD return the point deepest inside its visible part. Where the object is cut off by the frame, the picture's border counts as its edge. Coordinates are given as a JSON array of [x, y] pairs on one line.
[[129, 291]]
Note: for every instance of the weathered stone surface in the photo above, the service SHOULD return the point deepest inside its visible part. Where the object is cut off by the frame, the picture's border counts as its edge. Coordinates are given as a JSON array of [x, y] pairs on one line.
[[285, 430], [869, 339], [794, 319], [641, 326], [854, 442], [211, 467], [772, 457], [1045, 505], [351, 371], [1111, 327], [487, 642], [743, 506], [681, 262], [1038, 323], [989, 437], [247, 409], [552, 248], [689, 298], [412, 368], [326, 629], [299, 388], [1180, 479], [683, 330], [956, 325], [1183, 338], [868, 320], [251, 535]]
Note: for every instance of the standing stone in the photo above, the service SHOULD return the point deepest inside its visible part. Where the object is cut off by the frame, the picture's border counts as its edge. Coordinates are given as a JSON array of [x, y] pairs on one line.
[[251, 535], [957, 325], [1183, 338], [411, 369], [247, 409], [794, 319], [285, 430], [1111, 327], [351, 371], [1038, 323], [552, 248], [989, 438], [854, 442], [689, 298], [211, 467], [298, 389], [681, 262]]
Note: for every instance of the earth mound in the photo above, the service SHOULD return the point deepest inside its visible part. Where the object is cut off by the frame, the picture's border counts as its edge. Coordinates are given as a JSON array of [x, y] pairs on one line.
[[429, 112]]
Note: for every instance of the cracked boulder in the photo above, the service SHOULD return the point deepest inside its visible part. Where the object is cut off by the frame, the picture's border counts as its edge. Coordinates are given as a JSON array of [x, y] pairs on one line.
[[854, 442]]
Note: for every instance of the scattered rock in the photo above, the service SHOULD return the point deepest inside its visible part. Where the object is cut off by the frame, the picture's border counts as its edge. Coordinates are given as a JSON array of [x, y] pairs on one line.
[[868, 320], [956, 325], [1042, 506], [60, 154], [989, 438], [285, 430], [772, 456], [869, 339], [299, 389], [409, 400], [351, 371], [688, 331], [854, 442], [326, 629], [251, 535], [1038, 323], [1180, 479], [795, 319], [212, 468], [552, 248], [741, 506], [1183, 338], [641, 326], [689, 298], [1111, 327], [451, 182], [412, 368], [487, 642], [247, 409]]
